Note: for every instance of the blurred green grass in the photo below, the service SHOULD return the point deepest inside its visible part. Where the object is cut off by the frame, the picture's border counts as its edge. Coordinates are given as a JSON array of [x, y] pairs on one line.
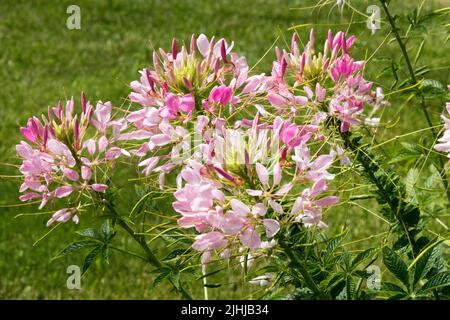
[[42, 61]]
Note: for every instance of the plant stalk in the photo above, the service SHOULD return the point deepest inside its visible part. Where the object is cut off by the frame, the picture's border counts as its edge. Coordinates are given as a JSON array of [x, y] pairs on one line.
[[151, 258], [309, 281], [413, 80]]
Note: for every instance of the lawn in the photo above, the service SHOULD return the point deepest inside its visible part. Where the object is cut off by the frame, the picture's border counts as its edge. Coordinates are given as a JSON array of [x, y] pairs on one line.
[[42, 61]]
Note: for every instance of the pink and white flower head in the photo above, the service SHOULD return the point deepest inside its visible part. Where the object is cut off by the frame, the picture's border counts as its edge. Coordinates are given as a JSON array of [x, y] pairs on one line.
[[223, 223], [207, 70], [64, 151], [332, 72]]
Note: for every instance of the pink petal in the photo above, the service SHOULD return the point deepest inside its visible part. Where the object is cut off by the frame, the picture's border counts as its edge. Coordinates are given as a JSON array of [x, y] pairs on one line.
[[262, 173], [276, 206], [276, 174], [239, 207], [284, 189], [203, 44], [99, 187], [259, 209], [250, 238], [102, 144], [160, 139], [272, 227], [64, 191], [61, 215], [327, 201], [71, 174], [276, 99], [86, 172], [254, 193], [29, 196]]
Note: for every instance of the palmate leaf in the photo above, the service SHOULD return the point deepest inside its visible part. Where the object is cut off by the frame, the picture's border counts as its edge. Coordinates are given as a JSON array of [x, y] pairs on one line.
[[396, 266], [439, 280]]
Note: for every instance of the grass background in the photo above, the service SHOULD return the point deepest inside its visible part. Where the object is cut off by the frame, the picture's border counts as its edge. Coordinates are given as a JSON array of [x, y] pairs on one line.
[[42, 61]]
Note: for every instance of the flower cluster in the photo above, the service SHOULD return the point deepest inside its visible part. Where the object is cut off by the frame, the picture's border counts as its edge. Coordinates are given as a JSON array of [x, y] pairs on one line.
[[201, 81], [248, 151], [65, 154], [242, 205], [331, 80]]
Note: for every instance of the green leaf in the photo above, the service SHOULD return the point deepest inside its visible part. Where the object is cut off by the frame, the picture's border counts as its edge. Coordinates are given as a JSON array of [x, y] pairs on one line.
[[90, 258], [105, 253], [424, 264], [211, 273], [175, 278], [363, 274], [90, 233], [397, 296], [362, 256], [332, 280], [161, 277], [106, 230], [437, 281], [75, 246], [334, 243], [432, 87], [404, 155], [410, 182], [350, 288], [396, 266], [175, 253], [389, 286]]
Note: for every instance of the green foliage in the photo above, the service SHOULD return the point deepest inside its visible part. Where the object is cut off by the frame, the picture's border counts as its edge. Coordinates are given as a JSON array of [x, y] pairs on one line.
[[98, 243]]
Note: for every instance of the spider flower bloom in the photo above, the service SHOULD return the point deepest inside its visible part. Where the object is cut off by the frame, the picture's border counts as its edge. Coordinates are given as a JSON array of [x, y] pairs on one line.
[[63, 151], [223, 223], [187, 84], [333, 72], [206, 74]]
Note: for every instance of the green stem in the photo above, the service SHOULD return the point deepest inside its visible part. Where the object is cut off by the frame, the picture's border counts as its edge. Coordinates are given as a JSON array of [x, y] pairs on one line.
[[309, 281], [413, 80], [383, 183], [151, 258]]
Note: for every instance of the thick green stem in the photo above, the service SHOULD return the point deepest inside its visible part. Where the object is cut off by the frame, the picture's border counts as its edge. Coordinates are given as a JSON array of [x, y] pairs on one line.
[[414, 82], [384, 182]]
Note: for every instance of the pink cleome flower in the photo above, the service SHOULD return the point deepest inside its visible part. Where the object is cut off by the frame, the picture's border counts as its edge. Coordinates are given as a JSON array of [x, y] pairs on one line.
[[62, 154]]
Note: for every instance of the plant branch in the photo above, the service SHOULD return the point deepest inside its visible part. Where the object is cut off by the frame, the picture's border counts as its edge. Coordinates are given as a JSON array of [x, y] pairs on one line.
[[309, 281], [151, 258], [414, 82]]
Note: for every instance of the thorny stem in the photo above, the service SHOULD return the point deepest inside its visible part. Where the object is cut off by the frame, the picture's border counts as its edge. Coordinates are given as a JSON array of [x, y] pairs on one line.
[[151, 258], [414, 82], [394, 201]]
